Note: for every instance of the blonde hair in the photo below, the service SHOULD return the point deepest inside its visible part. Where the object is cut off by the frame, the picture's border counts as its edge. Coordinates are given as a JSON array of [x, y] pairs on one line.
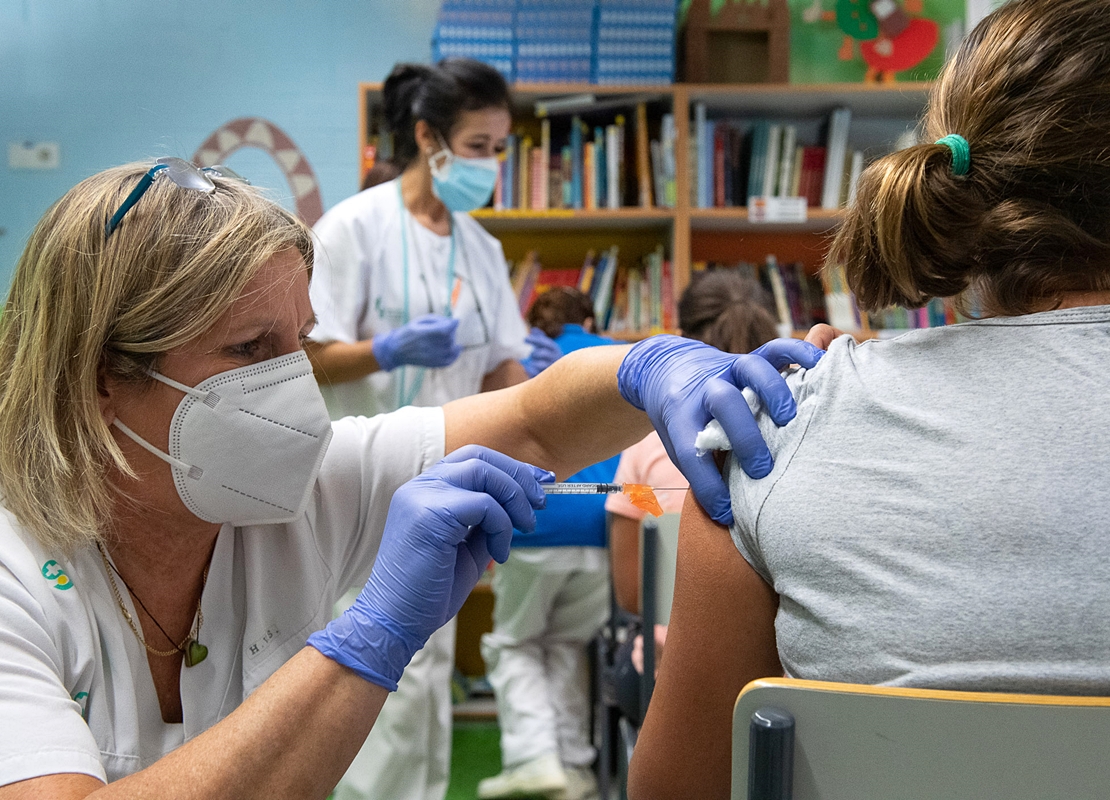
[[84, 306], [1029, 90]]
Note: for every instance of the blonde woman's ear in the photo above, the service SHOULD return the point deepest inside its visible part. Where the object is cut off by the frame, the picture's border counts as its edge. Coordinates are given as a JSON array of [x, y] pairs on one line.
[[104, 397]]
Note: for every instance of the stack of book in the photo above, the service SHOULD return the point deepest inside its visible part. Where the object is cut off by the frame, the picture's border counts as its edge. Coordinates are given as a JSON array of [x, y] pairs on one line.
[[554, 40], [736, 159], [589, 162], [478, 29], [637, 298], [635, 42]]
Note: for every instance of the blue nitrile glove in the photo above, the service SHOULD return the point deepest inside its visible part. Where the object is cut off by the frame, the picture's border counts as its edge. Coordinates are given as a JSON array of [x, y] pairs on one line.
[[427, 341], [545, 352], [443, 528], [682, 384]]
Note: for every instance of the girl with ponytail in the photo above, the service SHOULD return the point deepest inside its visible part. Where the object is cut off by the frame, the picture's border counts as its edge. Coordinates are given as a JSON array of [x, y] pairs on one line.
[[936, 515]]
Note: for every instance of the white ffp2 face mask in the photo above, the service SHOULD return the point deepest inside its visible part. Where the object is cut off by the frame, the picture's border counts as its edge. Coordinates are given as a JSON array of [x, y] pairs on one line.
[[246, 445]]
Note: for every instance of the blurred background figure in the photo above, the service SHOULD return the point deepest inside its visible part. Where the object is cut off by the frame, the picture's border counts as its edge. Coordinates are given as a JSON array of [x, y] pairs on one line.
[[550, 598]]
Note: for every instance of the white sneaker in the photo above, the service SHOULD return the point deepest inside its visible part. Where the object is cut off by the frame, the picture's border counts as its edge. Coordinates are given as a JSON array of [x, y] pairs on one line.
[[581, 784], [541, 777]]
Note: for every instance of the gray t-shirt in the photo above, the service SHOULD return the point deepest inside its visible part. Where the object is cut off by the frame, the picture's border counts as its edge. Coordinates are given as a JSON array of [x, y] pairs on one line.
[[939, 511]]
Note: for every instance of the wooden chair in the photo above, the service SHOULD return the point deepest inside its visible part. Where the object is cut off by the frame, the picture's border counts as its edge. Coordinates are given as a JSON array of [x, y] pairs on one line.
[[834, 741]]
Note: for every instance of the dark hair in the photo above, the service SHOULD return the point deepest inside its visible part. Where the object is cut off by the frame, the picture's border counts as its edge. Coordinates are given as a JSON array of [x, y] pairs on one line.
[[381, 172], [726, 310], [437, 95], [1029, 90], [558, 306]]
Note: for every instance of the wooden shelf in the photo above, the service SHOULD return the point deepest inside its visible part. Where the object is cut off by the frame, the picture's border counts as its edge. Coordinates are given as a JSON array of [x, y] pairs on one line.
[[574, 219], [736, 220], [792, 100]]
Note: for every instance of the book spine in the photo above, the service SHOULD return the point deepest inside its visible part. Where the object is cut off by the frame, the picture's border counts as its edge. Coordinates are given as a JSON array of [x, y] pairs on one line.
[[667, 142], [786, 166], [643, 168], [612, 165], [601, 169], [837, 147], [576, 162], [771, 162], [698, 140], [524, 191], [720, 134], [545, 155]]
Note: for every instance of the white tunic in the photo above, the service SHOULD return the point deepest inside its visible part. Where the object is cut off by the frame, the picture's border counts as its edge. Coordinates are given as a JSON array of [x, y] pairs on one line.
[[76, 694], [367, 252]]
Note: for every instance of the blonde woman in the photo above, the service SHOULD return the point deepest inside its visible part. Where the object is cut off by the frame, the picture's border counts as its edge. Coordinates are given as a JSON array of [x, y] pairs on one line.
[[179, 514]]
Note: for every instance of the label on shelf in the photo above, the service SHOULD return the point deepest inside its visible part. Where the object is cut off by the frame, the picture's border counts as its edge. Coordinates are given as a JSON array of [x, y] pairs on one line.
[[777, 209]]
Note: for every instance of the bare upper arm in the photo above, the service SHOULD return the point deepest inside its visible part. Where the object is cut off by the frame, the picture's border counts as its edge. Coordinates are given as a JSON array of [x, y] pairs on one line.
[[64, 786], [624, 558], [721, 636]]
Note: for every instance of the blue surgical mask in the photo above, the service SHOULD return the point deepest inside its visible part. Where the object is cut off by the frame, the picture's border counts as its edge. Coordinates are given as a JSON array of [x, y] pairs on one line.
[[462, 184]]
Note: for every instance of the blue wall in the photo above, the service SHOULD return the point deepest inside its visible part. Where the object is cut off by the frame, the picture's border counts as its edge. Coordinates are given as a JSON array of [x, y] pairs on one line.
[[119, 80]]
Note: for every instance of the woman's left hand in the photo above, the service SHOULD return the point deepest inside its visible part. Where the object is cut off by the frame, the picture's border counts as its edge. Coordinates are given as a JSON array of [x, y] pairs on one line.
[[682, 384], [443, 528]]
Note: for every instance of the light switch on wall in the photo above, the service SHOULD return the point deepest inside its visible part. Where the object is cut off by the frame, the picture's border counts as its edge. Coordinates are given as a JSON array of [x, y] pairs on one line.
[[33, 155]]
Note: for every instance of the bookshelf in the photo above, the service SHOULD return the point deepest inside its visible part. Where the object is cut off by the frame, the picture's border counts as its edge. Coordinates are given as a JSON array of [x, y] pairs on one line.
[[690, 234]]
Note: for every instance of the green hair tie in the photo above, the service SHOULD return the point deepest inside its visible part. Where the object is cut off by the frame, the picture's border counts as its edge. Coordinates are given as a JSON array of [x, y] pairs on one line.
[[961, 152]]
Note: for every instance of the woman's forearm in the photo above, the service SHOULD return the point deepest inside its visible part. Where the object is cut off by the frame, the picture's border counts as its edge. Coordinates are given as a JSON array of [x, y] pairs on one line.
[[294, 737], [569, 416], [339, 362]]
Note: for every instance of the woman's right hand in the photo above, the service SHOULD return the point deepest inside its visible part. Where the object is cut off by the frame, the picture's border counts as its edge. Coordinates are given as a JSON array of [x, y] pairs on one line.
[[443, 528], [427, 341]]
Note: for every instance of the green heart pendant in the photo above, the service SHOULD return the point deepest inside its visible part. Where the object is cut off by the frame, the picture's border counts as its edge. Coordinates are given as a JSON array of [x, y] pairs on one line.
[[195, 653]]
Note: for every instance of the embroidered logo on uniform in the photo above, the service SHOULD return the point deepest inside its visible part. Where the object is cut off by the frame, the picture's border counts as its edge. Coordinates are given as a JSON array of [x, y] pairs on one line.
[[52, 572], [82, 699]]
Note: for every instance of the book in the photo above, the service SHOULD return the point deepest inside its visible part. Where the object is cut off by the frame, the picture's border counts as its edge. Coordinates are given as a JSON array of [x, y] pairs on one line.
[[667, 141], [545, 161], [643, 168], [836, 149], [523, 278], [812, 175], [566, 174], [786, 161], [603, 290], [601, 169], [586, 274], [720, 136], [524, 174], [697, 143], [613, 161], [771, 161], [538, 180], [576, 162], [589, 177], [757, 159], [658, 174]]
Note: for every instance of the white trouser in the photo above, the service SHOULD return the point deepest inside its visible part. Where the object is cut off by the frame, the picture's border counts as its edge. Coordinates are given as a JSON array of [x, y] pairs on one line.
[[407, 755], [548, 603]]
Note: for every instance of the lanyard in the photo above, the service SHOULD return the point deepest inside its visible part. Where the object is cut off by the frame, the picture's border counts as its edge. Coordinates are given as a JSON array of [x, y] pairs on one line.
[[405, 397]]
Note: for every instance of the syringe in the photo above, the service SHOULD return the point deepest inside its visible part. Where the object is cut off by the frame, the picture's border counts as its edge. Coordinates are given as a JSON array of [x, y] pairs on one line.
[[582, 488]]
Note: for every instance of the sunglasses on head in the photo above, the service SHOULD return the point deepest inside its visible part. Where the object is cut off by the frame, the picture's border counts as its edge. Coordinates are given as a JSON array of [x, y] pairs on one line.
[[182, 173]]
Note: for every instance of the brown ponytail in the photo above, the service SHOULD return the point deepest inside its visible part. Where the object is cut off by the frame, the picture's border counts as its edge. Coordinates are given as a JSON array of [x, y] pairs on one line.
[[1029, 90]]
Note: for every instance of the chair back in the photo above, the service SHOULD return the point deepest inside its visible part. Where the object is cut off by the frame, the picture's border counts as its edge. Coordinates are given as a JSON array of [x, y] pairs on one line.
[[658, 556], [855, 742]]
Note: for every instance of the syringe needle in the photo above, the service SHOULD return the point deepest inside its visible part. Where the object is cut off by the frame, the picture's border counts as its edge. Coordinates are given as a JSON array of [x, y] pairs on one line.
[[581, 488]]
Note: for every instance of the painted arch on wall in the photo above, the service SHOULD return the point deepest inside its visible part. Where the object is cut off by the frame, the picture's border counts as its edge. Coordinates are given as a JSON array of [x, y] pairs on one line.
[[265, 135]]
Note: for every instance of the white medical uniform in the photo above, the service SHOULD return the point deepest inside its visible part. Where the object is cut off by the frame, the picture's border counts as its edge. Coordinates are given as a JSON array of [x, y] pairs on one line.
[[549, 602], [75, 688], [371, 255]]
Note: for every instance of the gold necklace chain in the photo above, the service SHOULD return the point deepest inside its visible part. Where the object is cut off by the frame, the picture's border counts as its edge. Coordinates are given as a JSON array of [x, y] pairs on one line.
[[193, 634]]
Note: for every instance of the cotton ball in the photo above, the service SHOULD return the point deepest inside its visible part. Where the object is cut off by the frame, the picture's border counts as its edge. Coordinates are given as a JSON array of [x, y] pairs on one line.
[[711, 438]]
